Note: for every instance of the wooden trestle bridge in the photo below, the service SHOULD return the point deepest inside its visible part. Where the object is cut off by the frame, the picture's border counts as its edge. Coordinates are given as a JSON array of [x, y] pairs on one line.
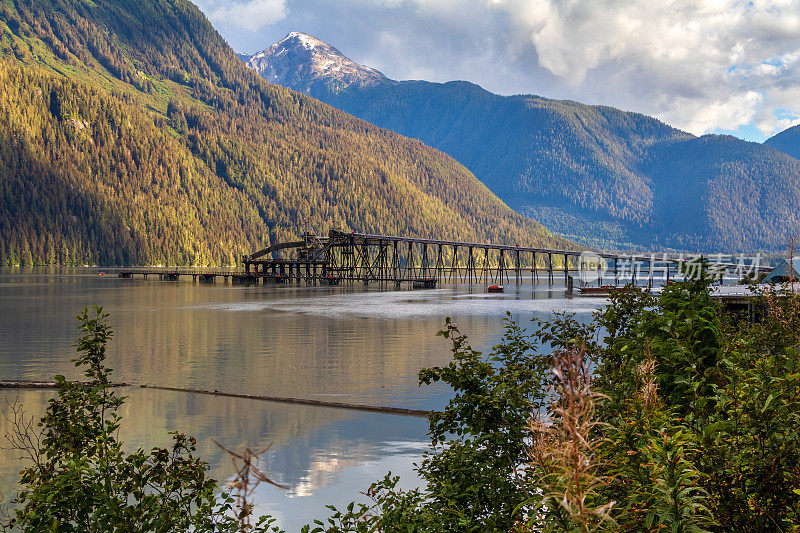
[[357, 257]]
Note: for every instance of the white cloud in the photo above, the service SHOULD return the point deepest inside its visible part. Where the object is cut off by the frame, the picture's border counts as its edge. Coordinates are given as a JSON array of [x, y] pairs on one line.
[[251, 16], [700, 65], [701, 116]]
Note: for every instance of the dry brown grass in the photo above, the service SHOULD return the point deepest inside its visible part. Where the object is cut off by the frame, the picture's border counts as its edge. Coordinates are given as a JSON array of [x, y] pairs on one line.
[[648, 388], [564, 450]]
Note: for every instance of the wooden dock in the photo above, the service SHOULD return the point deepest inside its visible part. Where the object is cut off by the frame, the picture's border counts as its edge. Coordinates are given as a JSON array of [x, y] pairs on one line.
[[201, 275], [282, 272]]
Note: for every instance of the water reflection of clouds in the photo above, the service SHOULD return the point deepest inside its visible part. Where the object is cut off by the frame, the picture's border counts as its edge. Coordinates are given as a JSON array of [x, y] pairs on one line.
[[324, 467], [406, 304], [337, 481], [321, 472]]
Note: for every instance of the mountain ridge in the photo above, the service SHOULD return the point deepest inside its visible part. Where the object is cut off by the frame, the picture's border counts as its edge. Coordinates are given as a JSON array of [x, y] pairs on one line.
[[593, 173], [787, 141]]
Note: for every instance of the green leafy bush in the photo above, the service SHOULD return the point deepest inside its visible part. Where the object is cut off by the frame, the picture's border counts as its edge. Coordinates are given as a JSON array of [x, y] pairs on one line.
[[662, 414], [80, 479]]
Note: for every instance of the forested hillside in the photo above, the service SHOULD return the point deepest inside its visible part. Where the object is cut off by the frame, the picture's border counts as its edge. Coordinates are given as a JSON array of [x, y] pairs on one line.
[[131, 133], [745, 192], [593, 173]]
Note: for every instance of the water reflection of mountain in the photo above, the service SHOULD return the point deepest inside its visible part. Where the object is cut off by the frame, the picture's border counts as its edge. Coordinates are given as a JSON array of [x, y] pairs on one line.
[[189, 343], [341, 343], [301, 435], [33, 402], [186, 335], [312, 447], [288, 341]]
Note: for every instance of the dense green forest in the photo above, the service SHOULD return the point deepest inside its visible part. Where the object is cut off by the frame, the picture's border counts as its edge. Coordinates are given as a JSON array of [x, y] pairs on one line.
[[599, 174], [745, 193], [131, 133]]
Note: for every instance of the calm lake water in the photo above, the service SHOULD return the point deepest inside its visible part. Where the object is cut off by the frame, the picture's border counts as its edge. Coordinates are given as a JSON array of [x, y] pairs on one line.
[[350, 344]]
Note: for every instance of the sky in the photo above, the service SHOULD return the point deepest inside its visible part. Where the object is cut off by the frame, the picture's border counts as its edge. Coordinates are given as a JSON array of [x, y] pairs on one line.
[[704, 66]]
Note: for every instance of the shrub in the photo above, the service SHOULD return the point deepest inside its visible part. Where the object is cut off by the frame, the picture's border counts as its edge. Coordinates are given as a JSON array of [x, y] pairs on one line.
[[80, 479]]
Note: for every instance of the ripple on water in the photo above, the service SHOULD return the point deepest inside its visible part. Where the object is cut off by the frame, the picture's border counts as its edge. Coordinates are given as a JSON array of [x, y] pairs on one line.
[[405, 304]]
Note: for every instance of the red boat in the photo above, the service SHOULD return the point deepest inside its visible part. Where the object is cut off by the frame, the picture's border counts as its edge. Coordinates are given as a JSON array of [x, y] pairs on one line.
[[495, 288]]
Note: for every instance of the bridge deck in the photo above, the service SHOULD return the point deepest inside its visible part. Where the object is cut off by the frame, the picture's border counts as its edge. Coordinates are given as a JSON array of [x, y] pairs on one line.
[[370, 258]]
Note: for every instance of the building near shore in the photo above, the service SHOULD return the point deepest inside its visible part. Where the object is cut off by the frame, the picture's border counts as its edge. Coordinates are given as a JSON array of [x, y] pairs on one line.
[[786, 270]]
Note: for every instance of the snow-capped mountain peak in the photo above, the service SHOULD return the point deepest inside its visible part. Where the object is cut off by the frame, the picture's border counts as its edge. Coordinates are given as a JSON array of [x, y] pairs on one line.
[[300, 61], [305, 39]]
